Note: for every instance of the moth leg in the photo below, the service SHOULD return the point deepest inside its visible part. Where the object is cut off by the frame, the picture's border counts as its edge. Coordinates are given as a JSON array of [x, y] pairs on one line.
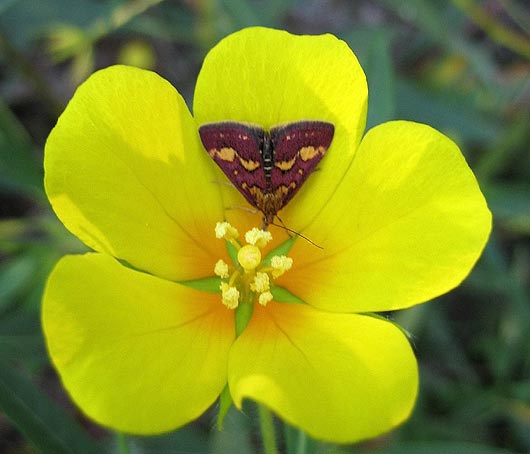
[[239, 207], [225, 183]]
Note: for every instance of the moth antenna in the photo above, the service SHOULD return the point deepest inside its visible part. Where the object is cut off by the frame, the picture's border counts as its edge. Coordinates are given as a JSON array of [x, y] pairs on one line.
[[283, 226]]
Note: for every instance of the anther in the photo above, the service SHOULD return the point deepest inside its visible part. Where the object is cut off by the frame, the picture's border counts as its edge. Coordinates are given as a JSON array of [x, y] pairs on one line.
[[258, 237], [221, 269], [261, 283], [226, 231], [264, 298], [229, 295], [280, 264]]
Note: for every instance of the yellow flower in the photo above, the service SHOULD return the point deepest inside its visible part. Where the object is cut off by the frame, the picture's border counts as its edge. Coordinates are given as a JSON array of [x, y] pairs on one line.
[[145, 348]]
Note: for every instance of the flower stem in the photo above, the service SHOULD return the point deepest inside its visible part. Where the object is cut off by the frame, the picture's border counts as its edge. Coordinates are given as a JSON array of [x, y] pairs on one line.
[[301, 443], [123, 445], [297, 442], [266, 425], [225, 402]]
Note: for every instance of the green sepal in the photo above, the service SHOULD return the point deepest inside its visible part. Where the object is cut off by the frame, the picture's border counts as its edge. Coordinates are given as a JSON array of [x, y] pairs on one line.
[[208, 284], [243, 315], [232, 252], [282, 249], [407, 333], [282, 295]]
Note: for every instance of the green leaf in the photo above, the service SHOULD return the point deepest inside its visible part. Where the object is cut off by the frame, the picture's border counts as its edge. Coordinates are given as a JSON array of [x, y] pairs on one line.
[[508, 150], [442, 23], [19, 168], [236, 436], [190, 440], [298, 442], [15, 275], [441, 447], [381, 81], [21, 338], [510, 204], [25, 20], [47, 426], [243, 13], [445, 111]]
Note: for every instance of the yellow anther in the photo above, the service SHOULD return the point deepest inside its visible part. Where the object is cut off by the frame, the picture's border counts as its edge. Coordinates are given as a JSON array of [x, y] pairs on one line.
[[221, 269], [261, 283], [249, 257], [280, 264], [226, 231], [264, 298], [230, 295], [258, 237]]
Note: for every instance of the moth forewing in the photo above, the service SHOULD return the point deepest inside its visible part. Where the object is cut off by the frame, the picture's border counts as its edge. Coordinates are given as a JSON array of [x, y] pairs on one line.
[[268, 168]]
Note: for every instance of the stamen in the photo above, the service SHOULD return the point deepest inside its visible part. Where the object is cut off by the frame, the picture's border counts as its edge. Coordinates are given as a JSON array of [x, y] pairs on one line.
[[264, 298], [261, 283], [230, 295], [258, 237], [249, 257], [280, 264], [226, 231], [221, 269]]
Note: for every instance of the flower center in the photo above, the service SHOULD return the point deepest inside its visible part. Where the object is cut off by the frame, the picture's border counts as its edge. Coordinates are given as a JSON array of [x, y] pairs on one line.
[[249, 278]]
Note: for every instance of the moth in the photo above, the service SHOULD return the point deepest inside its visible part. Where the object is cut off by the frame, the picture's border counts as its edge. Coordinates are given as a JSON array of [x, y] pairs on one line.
[[267, 167]]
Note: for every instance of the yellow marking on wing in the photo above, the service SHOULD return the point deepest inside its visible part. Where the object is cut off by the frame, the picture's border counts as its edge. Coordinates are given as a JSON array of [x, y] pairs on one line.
[[226, 154], [307, 153], [285, 165], [249, 165], [285, 189]]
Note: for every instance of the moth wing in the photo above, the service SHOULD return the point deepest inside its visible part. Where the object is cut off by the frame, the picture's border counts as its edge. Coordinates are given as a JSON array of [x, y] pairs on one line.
[[235, 148], [298, 148]]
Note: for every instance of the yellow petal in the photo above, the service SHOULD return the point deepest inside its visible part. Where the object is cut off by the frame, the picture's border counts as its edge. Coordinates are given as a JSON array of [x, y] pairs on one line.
[[339, 377], [406, 225], [126, 174], [135, 352], [268, 77]]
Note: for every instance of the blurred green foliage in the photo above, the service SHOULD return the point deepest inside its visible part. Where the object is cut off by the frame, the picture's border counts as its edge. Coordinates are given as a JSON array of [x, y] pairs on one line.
[[462, 66]]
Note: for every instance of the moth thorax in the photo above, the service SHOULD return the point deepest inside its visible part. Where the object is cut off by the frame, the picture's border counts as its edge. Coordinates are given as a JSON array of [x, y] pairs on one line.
[[267, 152], [267, 155]]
